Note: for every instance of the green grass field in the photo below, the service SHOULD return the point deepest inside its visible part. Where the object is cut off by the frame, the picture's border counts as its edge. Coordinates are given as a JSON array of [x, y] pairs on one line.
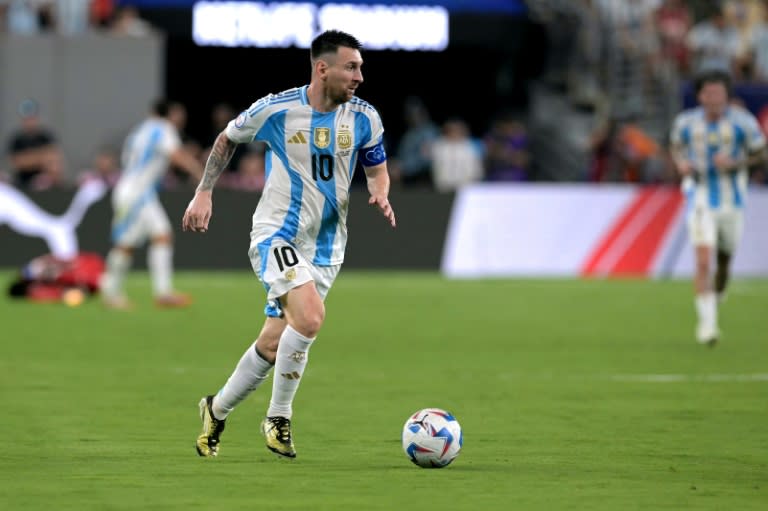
[[584, 395]]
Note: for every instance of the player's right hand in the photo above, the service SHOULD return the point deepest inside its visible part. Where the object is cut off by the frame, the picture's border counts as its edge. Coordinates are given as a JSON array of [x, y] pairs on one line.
[[198, 213]]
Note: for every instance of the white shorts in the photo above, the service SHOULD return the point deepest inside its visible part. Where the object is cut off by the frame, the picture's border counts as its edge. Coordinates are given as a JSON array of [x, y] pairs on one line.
[[281, 267], [717, 228], [134, 222]]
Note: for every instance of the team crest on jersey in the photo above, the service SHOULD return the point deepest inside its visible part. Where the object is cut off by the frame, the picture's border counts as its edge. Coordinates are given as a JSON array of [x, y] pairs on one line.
[[344, 139], [322, 137], [240, 121], [290, 274]]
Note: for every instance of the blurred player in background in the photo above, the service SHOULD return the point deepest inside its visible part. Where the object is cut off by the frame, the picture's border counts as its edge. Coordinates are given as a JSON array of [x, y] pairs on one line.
[[48, 278], [713, 146], [315, 134], [138, 215]]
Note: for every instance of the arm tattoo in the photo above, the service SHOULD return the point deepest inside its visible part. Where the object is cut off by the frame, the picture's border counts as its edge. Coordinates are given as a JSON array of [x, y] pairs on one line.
[[221, 152]]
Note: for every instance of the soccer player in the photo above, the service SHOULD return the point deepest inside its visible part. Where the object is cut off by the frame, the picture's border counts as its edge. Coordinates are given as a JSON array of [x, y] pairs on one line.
[[48, 278], [713, 145], [138, 214], [314, 134]]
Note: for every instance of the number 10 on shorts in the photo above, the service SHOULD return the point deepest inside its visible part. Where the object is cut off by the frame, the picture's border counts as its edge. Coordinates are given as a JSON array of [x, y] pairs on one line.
[[285, 257]]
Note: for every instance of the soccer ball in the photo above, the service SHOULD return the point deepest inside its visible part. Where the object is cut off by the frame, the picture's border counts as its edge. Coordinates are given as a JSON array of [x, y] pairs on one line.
[[432, 438]]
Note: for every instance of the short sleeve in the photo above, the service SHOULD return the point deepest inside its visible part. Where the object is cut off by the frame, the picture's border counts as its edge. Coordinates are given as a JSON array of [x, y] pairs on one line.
[[755, 139], [243, 128], [377, 128]]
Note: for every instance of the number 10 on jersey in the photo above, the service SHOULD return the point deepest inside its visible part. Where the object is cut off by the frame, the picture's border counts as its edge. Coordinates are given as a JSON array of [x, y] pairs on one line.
[[322, 167]]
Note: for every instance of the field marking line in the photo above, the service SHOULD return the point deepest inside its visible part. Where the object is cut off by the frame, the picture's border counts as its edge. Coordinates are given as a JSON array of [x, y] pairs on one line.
[[676, 378]]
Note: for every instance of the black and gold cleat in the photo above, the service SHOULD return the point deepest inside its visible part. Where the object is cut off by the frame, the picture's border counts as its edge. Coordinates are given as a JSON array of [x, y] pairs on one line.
[[208, 442], [277, 433]]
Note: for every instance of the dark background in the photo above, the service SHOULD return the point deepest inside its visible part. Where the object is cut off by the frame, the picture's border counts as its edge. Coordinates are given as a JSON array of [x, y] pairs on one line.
[[486, 68]]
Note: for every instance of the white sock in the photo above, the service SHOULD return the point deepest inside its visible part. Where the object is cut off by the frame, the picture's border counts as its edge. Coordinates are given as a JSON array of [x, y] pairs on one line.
[[706, 307], [292, 355], [118, 263], [159, 260], [250, 372]]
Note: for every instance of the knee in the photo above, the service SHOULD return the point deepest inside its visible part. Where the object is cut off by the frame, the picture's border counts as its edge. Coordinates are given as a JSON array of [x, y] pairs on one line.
[[309, 322], [266, 347]]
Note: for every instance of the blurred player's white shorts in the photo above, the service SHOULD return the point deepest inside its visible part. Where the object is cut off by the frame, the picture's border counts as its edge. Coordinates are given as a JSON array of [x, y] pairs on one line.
[[281, 267], [136, 221], [718, 228]]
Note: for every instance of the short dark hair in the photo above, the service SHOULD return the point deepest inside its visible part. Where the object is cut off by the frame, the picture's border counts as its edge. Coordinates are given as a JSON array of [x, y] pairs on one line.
[[713, 76], [330, 41]]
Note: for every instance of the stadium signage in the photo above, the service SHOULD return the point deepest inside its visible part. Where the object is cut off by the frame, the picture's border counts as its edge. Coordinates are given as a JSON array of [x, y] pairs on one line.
[[286, 24]]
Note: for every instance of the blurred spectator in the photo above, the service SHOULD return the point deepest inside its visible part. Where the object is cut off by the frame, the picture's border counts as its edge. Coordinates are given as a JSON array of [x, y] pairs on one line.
[[22, 17], [72, 16], [101, 13], [128, 23], [250, 173], [714, 44], [602, 148], [640, 156], [506, 150], [622, 151], [584, 66], [457, 160], [744, 16], [673, 21], [105, 167], [413, 163], [35, 157], [177, 116], [758, 50]]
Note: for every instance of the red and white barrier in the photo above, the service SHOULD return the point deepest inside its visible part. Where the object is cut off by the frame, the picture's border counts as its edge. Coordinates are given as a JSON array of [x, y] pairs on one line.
[[499, 230]]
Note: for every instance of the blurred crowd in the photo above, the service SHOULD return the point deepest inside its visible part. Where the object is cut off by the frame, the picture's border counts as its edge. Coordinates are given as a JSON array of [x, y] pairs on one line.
[[71, 17], [428, 154], [432, 152], [629, 62], [624, 63], [36, 160]]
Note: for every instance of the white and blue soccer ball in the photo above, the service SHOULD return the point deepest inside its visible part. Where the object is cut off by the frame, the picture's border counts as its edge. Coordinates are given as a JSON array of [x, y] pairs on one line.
[[432, 438]]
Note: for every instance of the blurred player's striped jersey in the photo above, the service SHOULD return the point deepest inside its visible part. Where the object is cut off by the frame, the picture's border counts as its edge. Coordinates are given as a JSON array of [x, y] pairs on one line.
[[310, 160], [736, 134], [145, 158]]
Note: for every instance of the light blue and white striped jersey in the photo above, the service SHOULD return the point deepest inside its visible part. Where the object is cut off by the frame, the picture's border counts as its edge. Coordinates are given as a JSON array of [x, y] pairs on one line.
[[145, 158], [737, 133], [310, 162]]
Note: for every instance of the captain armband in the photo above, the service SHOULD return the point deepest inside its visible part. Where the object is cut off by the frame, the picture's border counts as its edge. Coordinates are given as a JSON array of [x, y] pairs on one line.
[[372, 156]]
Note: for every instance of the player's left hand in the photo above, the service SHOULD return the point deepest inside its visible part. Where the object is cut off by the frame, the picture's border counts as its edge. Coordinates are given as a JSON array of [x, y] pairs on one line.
[[723, 162], [385, 207]]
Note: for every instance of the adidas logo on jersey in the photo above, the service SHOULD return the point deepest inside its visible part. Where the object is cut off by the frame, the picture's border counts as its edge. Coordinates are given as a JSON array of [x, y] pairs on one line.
[[298, 138]]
